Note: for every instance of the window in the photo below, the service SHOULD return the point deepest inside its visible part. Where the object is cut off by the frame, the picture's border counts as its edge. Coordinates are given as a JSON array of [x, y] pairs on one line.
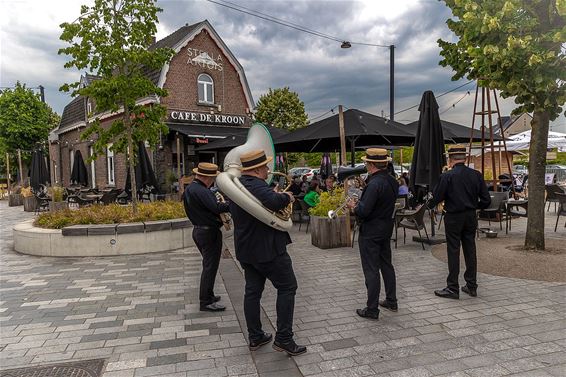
[[88, 108], [205, 88], [110, 164], [92, 168], [71, 160]]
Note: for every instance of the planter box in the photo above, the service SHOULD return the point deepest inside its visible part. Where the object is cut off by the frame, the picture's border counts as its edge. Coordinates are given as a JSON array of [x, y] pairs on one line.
[[330, 233], [57, 206], [30, 204], [15, 200]]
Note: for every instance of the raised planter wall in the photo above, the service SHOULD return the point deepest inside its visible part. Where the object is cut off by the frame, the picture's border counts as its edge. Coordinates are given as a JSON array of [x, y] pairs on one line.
[[15, 200], [30, 203], [103, 240], [329, 233]]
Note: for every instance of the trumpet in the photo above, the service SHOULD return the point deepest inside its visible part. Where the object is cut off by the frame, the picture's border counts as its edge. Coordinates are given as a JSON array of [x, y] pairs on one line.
[[332, 214], [225, 217], [285, 213]]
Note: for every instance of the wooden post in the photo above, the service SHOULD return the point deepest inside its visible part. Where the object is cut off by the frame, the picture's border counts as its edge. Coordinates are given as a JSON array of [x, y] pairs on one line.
[[342, 136], [178, 157], [401, 159], [8, 171], [21, 168]]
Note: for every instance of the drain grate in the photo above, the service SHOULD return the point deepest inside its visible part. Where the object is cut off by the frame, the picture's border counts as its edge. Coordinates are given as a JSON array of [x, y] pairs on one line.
[[83, 368]]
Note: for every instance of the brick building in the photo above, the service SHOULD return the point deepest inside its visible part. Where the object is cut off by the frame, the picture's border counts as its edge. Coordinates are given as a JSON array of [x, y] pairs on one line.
[[208, 98]]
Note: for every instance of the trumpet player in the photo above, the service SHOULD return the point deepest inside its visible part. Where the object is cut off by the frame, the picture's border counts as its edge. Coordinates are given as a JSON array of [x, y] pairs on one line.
[[204, 211], [375, 212], [262, 252]]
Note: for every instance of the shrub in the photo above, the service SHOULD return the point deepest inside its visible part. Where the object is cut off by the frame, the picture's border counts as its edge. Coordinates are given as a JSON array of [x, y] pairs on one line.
[[111, 214], [328, 201], [56, 193], [26, 192]]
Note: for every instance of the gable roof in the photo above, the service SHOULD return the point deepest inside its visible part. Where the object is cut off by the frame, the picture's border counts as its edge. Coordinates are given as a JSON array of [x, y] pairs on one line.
[[73, 114]]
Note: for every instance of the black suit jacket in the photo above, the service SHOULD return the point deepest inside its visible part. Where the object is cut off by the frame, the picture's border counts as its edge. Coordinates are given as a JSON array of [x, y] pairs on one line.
[[256, 242]]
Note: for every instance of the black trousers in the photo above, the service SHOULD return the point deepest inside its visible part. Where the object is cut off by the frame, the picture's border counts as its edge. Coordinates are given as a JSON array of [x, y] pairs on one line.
[[209, 243], [376, 257], [461, 228], [280, 272]]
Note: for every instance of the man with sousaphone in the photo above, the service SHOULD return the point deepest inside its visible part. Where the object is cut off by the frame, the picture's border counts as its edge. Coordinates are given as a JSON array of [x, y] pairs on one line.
[[375, 210], [204, 211], [262, 251]]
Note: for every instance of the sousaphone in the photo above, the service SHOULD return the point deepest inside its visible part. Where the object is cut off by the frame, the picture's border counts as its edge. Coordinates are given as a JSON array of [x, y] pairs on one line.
[[229, 183]]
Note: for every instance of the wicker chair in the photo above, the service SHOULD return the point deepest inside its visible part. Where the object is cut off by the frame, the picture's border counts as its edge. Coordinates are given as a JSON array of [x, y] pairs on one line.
[[561, 209], [411, 220], [551, 195]]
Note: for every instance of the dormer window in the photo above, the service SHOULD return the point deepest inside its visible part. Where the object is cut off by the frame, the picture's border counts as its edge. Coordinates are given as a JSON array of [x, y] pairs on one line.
[[205, 89]]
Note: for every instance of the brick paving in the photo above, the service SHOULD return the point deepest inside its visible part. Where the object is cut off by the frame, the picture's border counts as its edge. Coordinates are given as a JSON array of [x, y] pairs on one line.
[[140, 313]]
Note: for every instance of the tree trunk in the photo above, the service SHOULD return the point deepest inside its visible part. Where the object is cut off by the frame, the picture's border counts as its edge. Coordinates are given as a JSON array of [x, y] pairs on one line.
[[534, 238], [131, 158]]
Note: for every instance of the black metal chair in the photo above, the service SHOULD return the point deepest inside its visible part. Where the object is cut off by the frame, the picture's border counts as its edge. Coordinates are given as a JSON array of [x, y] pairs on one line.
[[561, 209], [109, 197], [304, 215], [42, 202], [551, 195], [411, 220], [497, 207], [77, 200]]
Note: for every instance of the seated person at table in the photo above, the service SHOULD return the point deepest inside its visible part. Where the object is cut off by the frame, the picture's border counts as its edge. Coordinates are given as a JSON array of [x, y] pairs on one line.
[[329, 183], [403, 188], [312, 197], [304, 184], [296, 186]]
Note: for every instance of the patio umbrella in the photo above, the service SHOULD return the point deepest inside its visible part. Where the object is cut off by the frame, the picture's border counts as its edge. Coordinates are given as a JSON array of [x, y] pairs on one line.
[[39, 175], [453, 132], [360, 128], [325, 166], [428, 155], [145, 177], [79, 174]]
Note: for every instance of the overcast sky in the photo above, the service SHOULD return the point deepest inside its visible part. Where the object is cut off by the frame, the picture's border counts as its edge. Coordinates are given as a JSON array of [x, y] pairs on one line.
[[274, 56]]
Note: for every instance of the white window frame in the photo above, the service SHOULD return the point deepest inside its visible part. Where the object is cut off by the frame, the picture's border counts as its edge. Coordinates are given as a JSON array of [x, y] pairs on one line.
[[207, 88], [71, 161], [110, 165], [92, 168]]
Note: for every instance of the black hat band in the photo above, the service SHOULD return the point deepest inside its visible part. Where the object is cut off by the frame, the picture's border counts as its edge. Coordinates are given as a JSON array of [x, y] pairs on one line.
[[255, 161], [206, 171], [370, 157]]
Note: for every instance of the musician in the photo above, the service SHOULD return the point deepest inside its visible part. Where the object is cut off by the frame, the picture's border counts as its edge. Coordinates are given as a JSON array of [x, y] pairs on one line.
[[329, 183], [463, 191], [204, 211], [262, 252], [375, 212]]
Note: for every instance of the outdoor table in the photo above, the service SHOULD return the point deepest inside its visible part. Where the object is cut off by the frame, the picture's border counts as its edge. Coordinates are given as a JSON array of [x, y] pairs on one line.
[[521, 209], [94, 197]]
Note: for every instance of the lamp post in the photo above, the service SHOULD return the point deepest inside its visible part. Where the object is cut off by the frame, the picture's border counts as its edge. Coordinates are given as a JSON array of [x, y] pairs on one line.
[[346, 44]]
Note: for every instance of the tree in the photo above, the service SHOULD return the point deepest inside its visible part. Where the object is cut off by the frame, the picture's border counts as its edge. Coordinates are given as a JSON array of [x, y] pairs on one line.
[[281, 108], [515, 46], [25, 121], [111, 39]]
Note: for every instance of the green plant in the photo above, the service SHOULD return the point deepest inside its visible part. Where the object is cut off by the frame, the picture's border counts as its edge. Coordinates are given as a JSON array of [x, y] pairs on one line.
[[170, 178], [56, 193], [328, 201]]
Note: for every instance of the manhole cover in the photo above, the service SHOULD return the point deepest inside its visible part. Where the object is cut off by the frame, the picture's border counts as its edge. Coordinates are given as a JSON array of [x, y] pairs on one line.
[[83, 368]]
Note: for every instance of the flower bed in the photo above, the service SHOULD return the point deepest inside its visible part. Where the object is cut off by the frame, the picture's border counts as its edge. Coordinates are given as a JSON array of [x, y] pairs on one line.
[[111, 214]]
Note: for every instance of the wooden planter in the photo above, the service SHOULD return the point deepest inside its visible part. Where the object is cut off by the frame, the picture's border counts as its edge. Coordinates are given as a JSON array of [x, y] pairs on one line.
[[57, 206], [15, 200], [30, 204], [328, 234]]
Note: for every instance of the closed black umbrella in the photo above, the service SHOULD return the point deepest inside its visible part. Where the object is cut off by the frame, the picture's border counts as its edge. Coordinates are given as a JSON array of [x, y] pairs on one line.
[[428, 155], [39, 175], [145, 177], [79, 174]]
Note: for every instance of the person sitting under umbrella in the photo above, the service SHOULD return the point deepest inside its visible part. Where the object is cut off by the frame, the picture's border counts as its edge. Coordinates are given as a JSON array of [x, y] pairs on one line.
[[312, 198]]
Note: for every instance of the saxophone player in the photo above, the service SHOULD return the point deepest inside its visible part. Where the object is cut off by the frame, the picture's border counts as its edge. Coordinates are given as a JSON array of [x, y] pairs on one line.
[[262, 252], [204, 211]]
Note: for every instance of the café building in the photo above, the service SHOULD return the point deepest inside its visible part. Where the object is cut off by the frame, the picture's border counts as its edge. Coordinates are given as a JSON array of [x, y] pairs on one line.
[[208, 98]]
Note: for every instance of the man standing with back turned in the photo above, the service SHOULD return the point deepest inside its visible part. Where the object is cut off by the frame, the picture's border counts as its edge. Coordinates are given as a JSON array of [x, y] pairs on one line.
[[463, 191], [262, 252]]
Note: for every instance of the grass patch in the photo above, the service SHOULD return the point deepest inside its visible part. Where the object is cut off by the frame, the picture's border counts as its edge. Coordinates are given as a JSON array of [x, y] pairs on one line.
[[111, 214]]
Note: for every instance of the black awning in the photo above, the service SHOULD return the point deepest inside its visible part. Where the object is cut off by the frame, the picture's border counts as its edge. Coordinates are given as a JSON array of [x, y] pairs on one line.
[[198, 130]]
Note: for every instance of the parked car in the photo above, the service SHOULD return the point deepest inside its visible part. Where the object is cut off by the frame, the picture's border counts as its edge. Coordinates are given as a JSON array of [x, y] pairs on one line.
[[298, 171], [520, 169]]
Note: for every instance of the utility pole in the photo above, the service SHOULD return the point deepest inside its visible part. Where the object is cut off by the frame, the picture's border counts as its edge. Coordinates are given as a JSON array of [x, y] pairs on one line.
[[342, 136], [391, 82], [42, 93]]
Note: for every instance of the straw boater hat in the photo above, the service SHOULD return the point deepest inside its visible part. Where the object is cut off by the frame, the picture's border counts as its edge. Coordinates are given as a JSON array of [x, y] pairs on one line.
[[456, 149], [254, 159], [207, 169], [376, 155]]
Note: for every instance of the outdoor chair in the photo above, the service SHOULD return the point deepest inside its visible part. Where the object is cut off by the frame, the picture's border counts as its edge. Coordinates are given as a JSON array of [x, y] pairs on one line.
[[551, 197], [561, 209], [497, 207], [411, 220], [109, 197], [77, 200], [304, 215], [42, 201]]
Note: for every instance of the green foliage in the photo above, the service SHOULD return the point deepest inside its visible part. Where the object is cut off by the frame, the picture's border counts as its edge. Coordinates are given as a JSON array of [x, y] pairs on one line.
[[25, 121], [26, 192], [111, 214], [328, 201], [281, 108], [511, 45], [110, 39], [56, 193]]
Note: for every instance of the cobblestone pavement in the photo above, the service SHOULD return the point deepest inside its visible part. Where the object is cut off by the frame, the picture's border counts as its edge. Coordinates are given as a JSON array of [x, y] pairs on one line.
[[140, 313]]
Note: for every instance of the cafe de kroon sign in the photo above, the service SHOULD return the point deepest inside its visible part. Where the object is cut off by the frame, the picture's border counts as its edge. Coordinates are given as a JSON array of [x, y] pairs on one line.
[[189, 116]]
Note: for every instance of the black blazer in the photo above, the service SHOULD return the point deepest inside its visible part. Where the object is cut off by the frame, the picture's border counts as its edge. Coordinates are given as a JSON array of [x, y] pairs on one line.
[[376, 206], [256, 242]]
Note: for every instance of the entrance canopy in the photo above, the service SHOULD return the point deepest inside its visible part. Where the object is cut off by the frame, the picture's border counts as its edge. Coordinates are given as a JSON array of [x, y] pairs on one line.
[[454, 132], [522, 141], [236, 139]]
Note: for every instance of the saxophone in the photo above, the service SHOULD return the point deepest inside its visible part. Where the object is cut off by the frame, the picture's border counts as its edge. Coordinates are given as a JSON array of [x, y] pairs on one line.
[[225, 216], [287, 212]]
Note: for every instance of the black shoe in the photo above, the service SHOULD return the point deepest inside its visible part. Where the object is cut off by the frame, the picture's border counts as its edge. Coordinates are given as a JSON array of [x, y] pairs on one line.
[[255, 344], [447, 293], [389, 305], [214, 307], [471, 291], [368, 313], [216, 299], [290, 347]]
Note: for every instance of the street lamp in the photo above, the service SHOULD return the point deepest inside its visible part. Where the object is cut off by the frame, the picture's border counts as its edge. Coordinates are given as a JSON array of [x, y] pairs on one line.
[[347, 44]]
